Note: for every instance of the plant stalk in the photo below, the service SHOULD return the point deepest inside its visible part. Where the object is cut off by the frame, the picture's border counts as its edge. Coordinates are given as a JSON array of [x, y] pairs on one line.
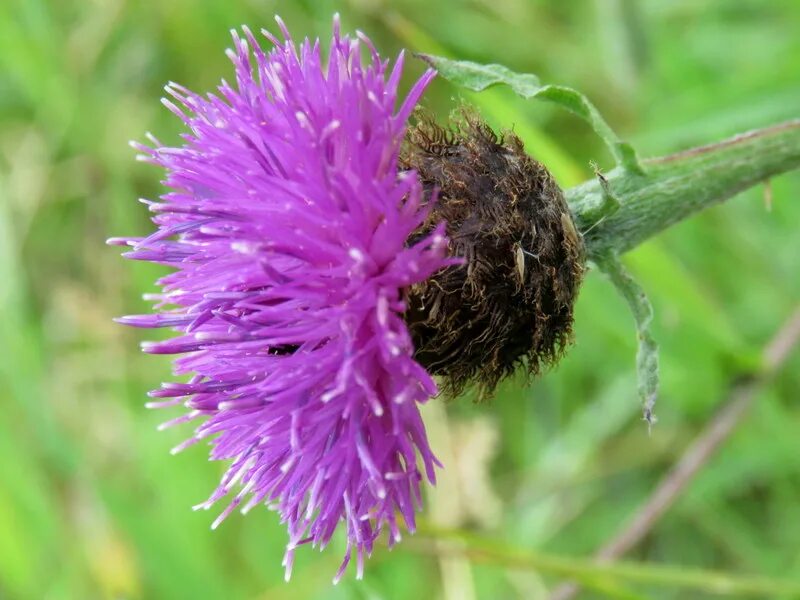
[[618, 211], [589, 573]]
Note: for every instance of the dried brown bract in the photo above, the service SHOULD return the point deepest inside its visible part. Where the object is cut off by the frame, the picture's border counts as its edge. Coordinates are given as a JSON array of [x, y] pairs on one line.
[[511, 303]]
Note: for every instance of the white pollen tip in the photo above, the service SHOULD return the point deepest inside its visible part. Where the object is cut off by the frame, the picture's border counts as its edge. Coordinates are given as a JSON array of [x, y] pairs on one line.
[[356, 254]]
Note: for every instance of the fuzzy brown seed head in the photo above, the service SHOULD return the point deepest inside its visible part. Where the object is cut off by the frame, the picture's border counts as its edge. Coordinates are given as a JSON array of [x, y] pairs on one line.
[[511, 303]]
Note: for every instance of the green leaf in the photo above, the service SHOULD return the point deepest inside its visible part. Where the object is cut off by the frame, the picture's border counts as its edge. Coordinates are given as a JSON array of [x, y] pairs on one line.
[[499, 109], [478, 77], [647, 353]]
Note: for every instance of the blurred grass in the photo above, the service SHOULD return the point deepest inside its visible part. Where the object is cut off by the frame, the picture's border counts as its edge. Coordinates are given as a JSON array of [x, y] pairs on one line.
[[91, 503]]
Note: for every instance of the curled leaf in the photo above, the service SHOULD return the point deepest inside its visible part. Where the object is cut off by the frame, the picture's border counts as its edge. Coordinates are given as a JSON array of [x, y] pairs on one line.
[[478, 77], [647, 353]]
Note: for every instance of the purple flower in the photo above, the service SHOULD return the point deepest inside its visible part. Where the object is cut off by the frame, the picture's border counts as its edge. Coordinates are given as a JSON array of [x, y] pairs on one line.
[[287, 223]]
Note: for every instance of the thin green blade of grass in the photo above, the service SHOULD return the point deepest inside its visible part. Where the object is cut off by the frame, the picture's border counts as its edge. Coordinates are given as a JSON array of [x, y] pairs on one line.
[[587, 571]]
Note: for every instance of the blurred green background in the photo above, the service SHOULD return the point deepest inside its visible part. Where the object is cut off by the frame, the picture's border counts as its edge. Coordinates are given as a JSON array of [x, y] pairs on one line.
[[92, 505]]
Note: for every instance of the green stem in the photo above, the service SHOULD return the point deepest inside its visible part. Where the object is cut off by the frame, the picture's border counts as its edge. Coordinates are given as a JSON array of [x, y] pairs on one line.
[[589, 572], [675, 187]]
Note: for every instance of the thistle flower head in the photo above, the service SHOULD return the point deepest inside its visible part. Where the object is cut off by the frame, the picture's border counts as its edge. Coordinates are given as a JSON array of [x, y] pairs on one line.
[[511, 303], [286, 224]]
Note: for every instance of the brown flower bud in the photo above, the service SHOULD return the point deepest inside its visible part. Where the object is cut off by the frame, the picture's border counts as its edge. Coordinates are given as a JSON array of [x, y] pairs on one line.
[[511, 303]]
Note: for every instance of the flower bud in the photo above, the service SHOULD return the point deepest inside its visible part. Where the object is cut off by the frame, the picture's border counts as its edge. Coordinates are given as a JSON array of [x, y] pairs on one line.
[[510, 303]]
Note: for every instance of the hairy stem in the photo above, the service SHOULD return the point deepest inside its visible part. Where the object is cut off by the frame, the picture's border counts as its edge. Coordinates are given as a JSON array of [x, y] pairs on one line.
[[675, 187]]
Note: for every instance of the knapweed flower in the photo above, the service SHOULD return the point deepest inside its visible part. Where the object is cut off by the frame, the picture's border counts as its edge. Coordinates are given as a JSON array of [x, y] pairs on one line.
[[287, 223]]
